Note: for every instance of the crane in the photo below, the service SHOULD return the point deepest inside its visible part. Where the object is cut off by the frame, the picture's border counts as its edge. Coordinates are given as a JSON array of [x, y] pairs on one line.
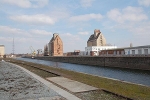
[[33, 52], [39, 52]]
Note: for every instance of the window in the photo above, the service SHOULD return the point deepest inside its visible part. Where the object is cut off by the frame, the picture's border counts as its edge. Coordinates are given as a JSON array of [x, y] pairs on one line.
[[122, 52], [145, 51], [139, 51], [117, 52], [129, 52], [133, 52]]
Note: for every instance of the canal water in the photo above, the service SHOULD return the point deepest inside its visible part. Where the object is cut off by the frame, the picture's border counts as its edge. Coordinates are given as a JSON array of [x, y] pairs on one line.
[[128, 75]]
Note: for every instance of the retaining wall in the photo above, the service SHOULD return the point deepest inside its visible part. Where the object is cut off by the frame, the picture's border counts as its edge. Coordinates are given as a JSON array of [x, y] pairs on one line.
[[142, 63]]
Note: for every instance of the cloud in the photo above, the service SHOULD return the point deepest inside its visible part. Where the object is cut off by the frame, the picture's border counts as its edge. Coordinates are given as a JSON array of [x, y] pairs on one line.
[[40, 32], [23, 38], [86, 3], [12, 31], [19, 40], [70, 36], [38, 19], [39, 3], [86, 17], [127, 14], [6, 39], [72, 42], [132, 21], [67, 34], [26, 3], [60, 14], [144, 2], [141, 29], [19, 32], [70, 39], [20, 3], [83, 33]]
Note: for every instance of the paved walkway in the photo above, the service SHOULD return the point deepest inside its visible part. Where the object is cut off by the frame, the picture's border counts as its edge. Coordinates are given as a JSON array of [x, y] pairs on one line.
[[71, 85], [30, 88]]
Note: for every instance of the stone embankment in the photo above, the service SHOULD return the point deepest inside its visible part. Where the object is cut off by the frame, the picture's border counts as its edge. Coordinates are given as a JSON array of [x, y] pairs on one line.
[[142, 63]]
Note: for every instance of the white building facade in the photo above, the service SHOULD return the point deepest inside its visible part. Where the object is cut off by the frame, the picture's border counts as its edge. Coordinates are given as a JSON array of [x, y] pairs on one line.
[[97, 49], [82, 53], [2, 51], [140, 50]]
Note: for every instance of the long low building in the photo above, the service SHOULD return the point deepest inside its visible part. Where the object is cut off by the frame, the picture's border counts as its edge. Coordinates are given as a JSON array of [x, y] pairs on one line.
[[94, 50], [2, 51], [138, 50]]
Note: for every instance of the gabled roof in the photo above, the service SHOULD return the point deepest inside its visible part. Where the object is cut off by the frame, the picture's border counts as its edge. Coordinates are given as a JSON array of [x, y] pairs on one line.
[[91, 38], [52, 39]]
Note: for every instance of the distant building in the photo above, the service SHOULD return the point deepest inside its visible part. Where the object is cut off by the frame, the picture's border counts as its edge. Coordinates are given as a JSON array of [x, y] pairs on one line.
[[96, 43], [2, 51], [127, 51], [94, 50], [82, 53], [96, 39], [55, 46], [112, 52], [46, 53], [139, 50], [75, 53]]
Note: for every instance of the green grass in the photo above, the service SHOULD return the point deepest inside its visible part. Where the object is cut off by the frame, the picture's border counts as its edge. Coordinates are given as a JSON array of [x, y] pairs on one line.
[[133, 91], [37, 71], [98, 95]]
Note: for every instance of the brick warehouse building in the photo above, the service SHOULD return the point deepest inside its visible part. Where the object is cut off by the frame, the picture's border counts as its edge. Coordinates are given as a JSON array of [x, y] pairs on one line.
[[96, 39], [97, 43], [55, 46]]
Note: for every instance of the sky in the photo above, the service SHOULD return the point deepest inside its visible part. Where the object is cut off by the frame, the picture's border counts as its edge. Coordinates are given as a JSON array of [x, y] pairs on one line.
[[33, 22]]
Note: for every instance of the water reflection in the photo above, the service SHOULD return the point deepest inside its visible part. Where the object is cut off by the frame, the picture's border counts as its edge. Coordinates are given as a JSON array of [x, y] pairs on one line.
[[134, 76]]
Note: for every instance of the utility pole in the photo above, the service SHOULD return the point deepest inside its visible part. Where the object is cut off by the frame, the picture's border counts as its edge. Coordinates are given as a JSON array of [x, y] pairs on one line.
[[13, 47]]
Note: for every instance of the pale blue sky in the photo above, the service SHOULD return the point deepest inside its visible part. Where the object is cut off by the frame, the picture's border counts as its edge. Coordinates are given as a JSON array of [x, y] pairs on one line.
[[32, 22]]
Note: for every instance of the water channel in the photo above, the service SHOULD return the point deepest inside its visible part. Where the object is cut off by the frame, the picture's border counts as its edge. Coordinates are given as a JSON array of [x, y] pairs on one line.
[[128, 75]]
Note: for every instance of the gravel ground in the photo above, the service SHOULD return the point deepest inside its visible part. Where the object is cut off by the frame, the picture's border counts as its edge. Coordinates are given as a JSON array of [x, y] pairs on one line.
[[15, 84]]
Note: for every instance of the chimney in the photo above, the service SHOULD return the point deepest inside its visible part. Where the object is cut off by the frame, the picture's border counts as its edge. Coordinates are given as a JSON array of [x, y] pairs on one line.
[[96, 31], [131, 45], [54, 35]]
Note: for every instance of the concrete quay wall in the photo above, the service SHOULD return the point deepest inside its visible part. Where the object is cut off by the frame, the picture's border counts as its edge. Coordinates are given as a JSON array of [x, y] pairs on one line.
[[142, 63]]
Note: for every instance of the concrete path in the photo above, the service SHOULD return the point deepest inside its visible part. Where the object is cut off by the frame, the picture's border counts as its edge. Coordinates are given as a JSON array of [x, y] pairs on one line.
[[60, 91], [71, 85]]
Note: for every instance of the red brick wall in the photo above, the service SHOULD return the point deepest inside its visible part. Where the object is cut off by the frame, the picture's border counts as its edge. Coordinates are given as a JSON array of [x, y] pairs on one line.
[[57, 47]]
